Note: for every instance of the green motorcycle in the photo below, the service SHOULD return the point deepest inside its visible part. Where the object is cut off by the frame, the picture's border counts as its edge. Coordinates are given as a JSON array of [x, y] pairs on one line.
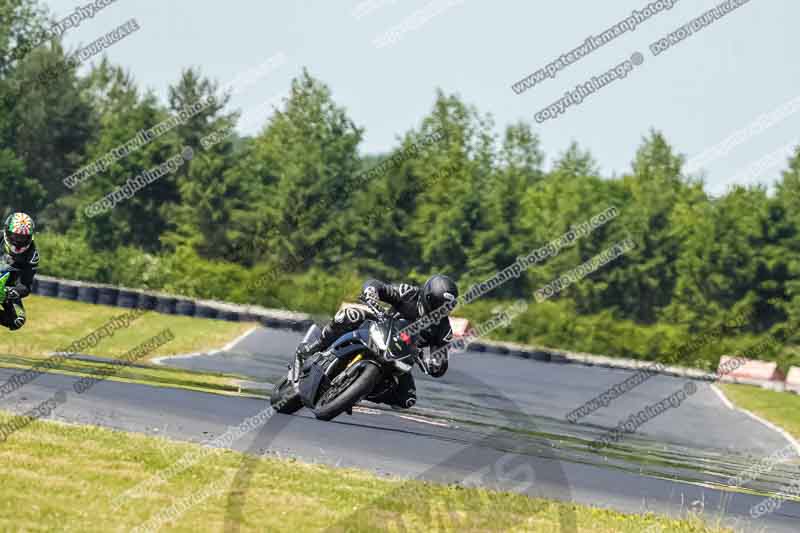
[[6, 272], [5, 275]]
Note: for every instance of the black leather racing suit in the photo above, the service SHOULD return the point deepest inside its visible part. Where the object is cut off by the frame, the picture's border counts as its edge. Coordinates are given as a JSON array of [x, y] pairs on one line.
[[12, 315], [403, 298]]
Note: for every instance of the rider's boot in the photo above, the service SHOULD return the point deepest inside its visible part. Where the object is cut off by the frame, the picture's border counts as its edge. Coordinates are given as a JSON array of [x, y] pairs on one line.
[[302, 353]]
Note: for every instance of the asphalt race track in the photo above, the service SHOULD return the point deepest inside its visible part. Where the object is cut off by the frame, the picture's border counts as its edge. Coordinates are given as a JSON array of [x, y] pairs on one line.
[[493, 420]]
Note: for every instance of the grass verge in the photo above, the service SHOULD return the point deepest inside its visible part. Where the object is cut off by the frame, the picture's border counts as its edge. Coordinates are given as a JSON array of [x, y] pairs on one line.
[[54, 324], [67, 478], [157, 376], [780, 408]]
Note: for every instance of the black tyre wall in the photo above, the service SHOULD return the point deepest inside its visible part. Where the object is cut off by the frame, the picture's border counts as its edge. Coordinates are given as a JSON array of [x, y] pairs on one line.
[[184, 307], [107, 296], [87, 294], [166, 306], [147, 301], [127, 299], [67, 291], [204, 311], [47, 288]]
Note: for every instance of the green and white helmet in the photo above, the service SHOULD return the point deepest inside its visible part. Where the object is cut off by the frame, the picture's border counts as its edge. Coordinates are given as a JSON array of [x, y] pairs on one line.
[[18, 233]]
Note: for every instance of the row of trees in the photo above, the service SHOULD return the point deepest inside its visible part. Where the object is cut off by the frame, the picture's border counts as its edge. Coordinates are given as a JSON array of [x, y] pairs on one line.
[[467, 204]]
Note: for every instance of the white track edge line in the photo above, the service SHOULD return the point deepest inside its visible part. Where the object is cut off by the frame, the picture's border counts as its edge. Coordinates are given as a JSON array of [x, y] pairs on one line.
[[238, 339], [792, 441], [227, 347], [721, 395]]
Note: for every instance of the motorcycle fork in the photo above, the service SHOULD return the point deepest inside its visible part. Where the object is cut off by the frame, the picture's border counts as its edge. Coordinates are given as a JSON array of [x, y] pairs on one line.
[[355, 360], [333, 372]]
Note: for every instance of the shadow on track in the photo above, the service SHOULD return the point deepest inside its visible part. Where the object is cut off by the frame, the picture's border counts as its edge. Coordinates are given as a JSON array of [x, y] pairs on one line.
[[527, 471]]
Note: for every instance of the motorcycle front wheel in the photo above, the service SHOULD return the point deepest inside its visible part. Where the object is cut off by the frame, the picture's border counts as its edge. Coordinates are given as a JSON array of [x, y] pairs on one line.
[[344, 394]]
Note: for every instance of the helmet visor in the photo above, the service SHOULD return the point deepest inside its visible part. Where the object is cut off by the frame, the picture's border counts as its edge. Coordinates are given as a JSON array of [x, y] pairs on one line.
[[19, 242]]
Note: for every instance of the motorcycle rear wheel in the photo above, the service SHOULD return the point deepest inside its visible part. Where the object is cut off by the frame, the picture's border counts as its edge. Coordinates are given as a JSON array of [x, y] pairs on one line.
[[362, 384]]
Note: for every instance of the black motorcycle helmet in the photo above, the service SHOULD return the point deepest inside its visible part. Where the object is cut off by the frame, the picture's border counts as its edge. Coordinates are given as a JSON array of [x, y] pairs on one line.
[[437, 291]]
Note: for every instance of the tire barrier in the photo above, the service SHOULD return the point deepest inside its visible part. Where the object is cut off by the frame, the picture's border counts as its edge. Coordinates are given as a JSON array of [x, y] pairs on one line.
[[270, 323], [147, 301], [67, 291], [206, 311], [47, 288], [248, 317], [231, 316], [87, 294], [303, 325], [127, 299], [185, 308], [539, 355], [107, 296], [166, 305]]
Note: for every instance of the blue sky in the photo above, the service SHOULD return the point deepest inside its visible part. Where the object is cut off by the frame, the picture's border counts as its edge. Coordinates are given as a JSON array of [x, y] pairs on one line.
[[699, 92]]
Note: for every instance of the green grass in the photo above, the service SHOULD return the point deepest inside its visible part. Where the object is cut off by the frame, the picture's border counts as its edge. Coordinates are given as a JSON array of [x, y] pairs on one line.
[[780, 408], [158, 376], [54, 324], [58, 477]]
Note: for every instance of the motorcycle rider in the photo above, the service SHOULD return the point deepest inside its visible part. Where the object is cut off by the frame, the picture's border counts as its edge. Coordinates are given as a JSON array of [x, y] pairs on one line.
[[411, 303], [20, 253]]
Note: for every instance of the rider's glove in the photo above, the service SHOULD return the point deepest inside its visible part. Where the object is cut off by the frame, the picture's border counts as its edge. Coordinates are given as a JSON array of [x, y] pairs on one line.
[[11, 294], [371, 293]]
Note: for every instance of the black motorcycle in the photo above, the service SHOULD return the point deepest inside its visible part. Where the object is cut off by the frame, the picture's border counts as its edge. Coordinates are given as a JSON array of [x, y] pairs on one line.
[[362, 364]]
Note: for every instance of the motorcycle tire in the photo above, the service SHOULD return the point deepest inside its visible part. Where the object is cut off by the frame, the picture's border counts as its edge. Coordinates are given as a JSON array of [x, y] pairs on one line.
[[285, 399], [364, 383]]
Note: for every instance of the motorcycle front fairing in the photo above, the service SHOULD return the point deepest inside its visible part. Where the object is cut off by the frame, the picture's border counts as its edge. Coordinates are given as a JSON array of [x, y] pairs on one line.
[[311, 384]]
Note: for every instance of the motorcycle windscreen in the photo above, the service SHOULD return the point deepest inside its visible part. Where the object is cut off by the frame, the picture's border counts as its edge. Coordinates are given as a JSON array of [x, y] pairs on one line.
[[400, 344]]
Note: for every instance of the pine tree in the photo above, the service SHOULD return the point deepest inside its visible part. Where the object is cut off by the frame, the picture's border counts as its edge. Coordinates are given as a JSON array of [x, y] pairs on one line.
[[140, 220], [304, 162]]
